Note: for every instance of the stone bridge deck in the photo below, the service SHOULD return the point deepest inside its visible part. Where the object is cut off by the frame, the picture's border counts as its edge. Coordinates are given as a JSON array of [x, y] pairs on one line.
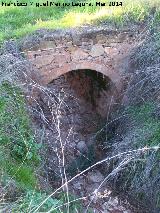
[[62, 51]]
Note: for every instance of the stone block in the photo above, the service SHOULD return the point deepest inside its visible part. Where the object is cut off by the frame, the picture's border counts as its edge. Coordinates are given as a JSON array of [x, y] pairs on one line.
[[97, 50]]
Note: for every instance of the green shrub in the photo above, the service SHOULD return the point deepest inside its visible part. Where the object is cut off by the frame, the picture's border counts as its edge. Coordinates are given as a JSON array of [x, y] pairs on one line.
[[19, 151], [32, 199], [141, 176], [15, 131]]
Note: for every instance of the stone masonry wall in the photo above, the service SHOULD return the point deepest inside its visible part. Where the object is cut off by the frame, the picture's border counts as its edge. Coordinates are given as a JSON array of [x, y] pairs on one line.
[[55, 53]]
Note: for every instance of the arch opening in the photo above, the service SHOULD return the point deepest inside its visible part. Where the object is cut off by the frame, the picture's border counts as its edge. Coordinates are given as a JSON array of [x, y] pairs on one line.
[[95, 90], [74, 108]]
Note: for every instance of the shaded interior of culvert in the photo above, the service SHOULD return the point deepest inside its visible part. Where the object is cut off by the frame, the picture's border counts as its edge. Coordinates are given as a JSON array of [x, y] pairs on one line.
[[74, 109]]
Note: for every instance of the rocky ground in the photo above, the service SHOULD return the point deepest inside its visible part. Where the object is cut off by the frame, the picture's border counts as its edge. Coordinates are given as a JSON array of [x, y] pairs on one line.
[[97, 197]]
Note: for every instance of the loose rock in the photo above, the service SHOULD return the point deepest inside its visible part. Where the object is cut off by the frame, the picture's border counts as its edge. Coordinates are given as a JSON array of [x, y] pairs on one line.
[[82, 147], [96, 177], [97, 50]]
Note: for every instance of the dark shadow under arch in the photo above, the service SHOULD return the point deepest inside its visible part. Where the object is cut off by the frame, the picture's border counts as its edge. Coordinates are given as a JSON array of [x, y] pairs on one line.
[[96, 89]]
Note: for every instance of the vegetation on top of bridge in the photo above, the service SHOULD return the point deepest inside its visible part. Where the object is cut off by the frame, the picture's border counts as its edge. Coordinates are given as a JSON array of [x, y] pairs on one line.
[[19, 21]]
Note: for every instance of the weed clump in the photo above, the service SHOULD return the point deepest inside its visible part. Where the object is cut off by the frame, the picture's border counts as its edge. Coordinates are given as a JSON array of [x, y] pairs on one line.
[[18, 149], [140, 178]]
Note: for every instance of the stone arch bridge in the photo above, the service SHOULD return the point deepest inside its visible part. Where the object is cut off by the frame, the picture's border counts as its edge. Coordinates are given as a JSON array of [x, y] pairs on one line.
[[59, 52]]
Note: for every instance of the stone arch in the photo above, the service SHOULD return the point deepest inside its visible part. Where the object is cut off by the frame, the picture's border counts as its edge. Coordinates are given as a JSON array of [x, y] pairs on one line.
[[58, 53], [105, 70], [110, 96], [45, 77]]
